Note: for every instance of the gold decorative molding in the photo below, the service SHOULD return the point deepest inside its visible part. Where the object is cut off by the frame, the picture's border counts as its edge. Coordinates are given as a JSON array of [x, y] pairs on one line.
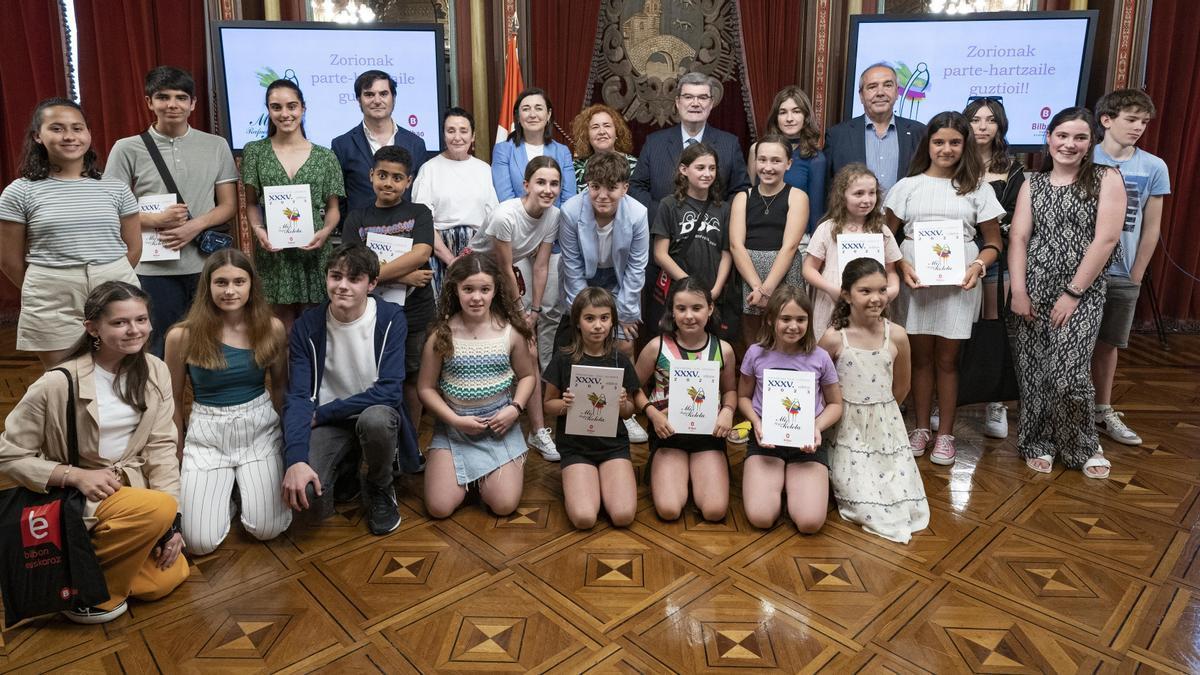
[[820, 89]]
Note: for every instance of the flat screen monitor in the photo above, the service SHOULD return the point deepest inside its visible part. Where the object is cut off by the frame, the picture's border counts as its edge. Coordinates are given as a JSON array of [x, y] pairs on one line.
[[324, 59], [1035, 63]]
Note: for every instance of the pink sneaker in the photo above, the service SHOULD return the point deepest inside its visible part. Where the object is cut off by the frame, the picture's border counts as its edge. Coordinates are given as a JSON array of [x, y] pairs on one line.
[[943, 450], [917, 440]]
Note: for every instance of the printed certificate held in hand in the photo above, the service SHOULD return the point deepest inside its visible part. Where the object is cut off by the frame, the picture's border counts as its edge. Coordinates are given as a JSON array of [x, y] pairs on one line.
[[854, 245], [288, 214], [789, 404], [595, 411], [695, 395], [389, 247], [939, 252], [152, 247]]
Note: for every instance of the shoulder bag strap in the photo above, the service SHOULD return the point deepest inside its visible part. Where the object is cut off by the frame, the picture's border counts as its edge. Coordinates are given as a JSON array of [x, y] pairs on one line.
[[72, 432], [161, 165]]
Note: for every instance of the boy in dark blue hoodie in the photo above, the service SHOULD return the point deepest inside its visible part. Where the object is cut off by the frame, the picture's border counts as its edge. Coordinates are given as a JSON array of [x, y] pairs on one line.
[[345, 394]]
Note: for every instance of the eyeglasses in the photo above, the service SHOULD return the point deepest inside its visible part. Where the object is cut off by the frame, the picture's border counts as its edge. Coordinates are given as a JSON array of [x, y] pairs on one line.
[[688, 98]]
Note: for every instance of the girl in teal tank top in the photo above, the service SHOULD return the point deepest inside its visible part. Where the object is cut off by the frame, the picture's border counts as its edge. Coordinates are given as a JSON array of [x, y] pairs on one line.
[[226, 346], [676, 458]]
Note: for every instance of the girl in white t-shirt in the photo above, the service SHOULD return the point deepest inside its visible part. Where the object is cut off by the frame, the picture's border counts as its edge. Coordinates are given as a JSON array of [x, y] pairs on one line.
[[65, 231], [522, 229], [945, 182]]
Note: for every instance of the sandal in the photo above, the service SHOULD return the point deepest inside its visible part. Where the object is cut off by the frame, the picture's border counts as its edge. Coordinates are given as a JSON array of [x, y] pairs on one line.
[[1097, 461], [943, 450], [1048, 459]]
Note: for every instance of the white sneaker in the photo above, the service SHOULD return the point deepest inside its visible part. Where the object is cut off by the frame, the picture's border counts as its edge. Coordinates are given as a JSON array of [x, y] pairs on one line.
[[996, 423], [935, 419], [92, 615], [541, 441], [1110, 424], [636, 433]]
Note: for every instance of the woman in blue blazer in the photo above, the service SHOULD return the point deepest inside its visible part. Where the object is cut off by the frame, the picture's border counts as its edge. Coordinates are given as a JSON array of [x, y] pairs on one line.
[[530, 139]]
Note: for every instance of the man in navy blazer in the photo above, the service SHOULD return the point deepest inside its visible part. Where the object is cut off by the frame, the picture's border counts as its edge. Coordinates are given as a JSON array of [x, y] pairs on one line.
[[658, 164], [891, 139], [355, 149]]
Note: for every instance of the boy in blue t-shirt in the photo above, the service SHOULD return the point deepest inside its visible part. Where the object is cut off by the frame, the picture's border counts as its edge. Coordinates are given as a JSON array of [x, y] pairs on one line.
[[1124, 115]]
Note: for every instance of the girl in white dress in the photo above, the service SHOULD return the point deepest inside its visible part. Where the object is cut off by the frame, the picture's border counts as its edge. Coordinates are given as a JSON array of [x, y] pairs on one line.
[[875, 479], [945, 182]]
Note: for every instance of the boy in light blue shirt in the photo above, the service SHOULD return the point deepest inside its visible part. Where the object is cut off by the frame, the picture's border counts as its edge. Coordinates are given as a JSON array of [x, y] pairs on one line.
[[1124, 115]]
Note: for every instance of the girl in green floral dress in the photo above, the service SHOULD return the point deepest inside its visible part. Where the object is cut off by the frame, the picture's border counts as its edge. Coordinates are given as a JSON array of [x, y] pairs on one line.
[[294, 277]]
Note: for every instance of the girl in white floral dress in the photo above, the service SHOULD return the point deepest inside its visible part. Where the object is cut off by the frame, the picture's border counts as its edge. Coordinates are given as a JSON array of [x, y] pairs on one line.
[[874, 476]]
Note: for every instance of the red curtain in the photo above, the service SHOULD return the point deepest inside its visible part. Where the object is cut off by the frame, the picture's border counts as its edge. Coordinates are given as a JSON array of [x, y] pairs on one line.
[[34, 69], [119, 42], [1174, 54], [771, 46], [562, 35]]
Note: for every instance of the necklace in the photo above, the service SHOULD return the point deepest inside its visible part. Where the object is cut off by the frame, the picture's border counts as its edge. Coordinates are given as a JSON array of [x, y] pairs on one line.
[[767, 205]]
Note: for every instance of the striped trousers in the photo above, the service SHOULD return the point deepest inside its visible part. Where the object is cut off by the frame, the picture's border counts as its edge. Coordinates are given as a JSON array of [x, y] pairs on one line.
[[238, 444]]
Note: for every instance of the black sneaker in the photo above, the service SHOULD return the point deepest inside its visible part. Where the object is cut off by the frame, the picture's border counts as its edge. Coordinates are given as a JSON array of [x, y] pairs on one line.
[[383, 514], [93, 615]]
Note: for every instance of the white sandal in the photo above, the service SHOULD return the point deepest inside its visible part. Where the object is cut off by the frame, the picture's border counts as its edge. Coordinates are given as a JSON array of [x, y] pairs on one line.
[[1097, 460], [1048, 459]]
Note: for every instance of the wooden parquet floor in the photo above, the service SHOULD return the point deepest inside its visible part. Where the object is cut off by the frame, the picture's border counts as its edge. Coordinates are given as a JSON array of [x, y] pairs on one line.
[[1017, 573]]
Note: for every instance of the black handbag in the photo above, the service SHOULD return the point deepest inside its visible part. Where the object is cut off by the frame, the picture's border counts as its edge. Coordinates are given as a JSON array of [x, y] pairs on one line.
[[210, 240], [48, 563], [986, 368]]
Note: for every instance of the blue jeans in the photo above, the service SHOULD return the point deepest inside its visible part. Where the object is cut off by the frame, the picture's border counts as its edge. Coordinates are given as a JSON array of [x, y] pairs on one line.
[[170, 299]]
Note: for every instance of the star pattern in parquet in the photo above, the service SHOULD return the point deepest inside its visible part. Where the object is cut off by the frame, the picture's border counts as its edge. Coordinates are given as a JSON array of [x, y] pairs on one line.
[[1017, 573]]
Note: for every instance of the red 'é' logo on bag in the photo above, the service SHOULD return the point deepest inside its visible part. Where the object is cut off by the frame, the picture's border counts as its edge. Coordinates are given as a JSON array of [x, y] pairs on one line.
[[42, 525]]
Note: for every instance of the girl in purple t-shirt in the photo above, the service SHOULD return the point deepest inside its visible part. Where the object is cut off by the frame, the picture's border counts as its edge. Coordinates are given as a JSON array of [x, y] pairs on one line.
[[786, 342]]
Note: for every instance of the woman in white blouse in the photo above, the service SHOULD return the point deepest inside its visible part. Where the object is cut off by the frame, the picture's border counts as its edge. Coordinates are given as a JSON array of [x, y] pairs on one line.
[[457, 188]]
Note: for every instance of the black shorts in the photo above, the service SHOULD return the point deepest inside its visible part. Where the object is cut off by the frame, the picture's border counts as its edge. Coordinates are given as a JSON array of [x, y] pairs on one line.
[[413, 346], [593, 457], [689, 443], [788, 454]]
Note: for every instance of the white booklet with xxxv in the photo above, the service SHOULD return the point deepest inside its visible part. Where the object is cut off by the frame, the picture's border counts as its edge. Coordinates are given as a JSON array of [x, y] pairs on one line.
[[287, 210], [694, 396], [938, 246], [152, 247], [596, 410], [789, 404]]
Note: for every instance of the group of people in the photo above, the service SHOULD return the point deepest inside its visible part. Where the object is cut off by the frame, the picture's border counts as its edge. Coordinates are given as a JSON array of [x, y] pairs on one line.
[[311, 368]]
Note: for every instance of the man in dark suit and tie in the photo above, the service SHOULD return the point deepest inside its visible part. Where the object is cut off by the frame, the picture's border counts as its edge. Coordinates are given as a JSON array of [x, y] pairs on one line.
[[658, 163], [886, 145], [355, 149]]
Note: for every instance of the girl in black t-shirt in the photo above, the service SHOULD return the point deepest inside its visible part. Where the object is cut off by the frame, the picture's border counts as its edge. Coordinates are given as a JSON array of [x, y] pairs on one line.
[[596, 470], [690, 234]]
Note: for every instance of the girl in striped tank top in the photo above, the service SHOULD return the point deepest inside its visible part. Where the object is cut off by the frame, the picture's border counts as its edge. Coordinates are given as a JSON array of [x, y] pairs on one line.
[[477, 375], [687, 334]]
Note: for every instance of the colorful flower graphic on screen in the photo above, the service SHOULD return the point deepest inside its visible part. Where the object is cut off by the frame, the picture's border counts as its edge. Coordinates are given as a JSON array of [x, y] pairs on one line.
[[913, 85], [597, 400], [793, 407]]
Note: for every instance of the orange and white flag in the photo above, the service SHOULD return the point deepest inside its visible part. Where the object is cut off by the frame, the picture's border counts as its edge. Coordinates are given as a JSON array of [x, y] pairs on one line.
[[513, 85]]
